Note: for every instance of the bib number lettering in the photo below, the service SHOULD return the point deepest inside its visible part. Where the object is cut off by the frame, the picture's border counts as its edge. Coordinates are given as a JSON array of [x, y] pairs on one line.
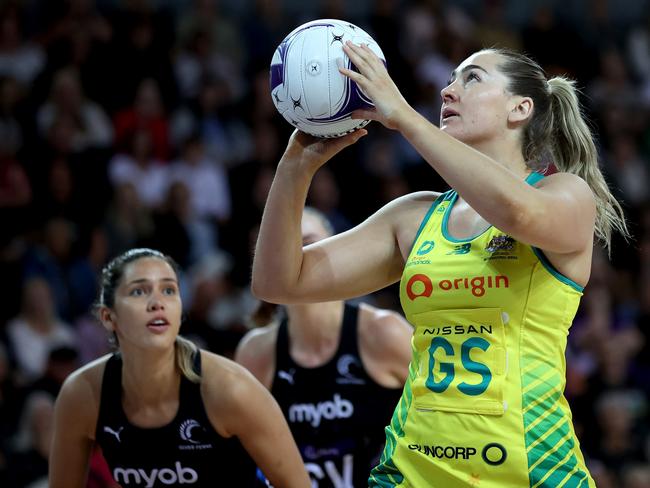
[[448, 370], [461, 360]]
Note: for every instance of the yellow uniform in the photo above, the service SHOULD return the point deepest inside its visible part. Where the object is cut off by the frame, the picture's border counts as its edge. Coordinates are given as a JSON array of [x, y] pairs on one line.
[[483, 405]]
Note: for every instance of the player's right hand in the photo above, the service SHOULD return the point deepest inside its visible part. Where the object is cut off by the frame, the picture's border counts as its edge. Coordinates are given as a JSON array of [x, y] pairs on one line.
[[310, 152]]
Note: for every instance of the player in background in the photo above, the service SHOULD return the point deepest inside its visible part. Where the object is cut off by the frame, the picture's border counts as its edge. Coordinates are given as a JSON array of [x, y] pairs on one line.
[[337, 371], [163, 411]]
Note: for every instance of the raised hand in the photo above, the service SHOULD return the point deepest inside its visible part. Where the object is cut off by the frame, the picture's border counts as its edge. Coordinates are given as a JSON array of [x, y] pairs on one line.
[[312, 152], [374, 80]]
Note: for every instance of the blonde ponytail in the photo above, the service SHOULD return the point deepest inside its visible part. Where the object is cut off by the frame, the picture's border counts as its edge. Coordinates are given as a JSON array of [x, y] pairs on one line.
[[574, 152], [558, 130], [186, 351]]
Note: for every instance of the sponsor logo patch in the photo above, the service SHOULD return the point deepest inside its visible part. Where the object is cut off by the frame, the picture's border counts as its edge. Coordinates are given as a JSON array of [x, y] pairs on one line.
[[445, 452], [337, 408], [420, 285], [140, 477]]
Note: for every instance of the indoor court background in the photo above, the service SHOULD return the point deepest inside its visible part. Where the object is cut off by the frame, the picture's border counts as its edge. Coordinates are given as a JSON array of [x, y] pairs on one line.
[[88, 87]]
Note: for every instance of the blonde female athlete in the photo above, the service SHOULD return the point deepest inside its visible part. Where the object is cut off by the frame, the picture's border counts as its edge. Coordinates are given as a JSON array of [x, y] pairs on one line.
[[491, 272], [164, 412]]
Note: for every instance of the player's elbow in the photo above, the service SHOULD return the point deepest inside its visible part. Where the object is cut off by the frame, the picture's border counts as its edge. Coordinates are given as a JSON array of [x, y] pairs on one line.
[[261, 290], [268, 290]]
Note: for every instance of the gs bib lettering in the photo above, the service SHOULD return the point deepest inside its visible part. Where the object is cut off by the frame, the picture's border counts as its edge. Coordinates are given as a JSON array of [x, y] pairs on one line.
[[461, 359]]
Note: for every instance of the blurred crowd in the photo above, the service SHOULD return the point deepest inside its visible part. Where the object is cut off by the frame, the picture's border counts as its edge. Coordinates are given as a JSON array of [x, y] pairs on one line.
[[149, 123]]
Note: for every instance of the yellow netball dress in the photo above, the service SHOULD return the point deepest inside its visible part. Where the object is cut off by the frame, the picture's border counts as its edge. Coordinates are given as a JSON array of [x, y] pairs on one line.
[[483, 405]]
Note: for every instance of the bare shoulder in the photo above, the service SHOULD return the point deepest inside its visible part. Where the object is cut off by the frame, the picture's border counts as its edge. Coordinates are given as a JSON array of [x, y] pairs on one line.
[[79, 398], [87, 380], [385, 345], [563, 178], [412, 202], [568, 182], [223, 381], [226, 388], [405, 215], [219, 370], [256, 352], [382, 326], [258, 344]]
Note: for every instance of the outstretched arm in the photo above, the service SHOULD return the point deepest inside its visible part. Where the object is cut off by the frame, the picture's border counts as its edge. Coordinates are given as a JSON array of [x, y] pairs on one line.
[[356, 262]]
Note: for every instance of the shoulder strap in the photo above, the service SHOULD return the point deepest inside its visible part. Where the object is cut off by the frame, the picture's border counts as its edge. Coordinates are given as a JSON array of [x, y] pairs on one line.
[[111, 390], [534, 177], [349, 342], [441, 198], [282, 356]]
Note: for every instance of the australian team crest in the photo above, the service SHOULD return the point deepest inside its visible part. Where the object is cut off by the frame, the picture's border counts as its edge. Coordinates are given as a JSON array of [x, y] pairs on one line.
[[501, 247], [500, 243]]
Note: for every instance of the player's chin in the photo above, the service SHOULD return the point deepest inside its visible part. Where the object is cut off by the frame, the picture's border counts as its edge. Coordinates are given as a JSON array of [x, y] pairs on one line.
[[452, 131]]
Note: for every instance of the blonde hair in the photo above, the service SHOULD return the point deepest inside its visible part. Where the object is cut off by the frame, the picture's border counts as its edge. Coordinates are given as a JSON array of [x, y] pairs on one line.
[[558, 130], [185, 353]]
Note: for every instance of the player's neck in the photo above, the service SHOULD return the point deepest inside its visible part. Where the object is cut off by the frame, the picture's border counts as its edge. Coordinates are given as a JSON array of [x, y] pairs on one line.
[[506, 151], [314, 329], [147, 379]]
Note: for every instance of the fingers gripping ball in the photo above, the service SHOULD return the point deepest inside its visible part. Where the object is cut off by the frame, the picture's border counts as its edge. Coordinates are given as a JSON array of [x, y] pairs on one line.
[[307, 88]]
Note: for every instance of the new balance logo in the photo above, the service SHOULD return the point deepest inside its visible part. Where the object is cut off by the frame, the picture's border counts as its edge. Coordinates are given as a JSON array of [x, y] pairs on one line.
[[116, 433], [461, 249]]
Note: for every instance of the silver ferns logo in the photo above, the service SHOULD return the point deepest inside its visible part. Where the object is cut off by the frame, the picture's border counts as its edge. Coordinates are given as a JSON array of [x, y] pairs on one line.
[[186, 430], [346, 376], [193, 432]]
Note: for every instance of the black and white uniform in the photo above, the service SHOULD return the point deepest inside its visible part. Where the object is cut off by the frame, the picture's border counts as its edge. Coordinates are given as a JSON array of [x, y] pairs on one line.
[[336, 412], [187, 451]]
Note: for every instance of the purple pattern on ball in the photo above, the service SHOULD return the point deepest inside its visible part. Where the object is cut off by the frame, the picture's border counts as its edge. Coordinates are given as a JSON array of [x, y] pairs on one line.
[[333, 125], [277, 70]]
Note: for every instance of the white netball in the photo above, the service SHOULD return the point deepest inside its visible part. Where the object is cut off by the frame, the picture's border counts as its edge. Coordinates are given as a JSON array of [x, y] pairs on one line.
[[307, 88]]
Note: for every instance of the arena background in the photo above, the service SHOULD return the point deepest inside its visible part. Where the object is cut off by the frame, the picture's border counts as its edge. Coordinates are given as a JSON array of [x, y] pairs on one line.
[[140, 122]]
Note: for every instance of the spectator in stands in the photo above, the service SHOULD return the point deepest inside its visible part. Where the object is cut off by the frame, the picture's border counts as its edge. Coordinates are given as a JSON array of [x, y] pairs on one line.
[[92, 127], [140, 167], [36, 330]]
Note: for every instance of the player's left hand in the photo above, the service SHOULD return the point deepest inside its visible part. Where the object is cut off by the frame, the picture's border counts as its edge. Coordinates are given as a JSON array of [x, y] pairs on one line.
[[374, 80]]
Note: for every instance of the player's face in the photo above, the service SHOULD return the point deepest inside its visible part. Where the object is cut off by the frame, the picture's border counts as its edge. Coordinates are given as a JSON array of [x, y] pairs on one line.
[[313, 229], [147, 309], [475, 104]]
